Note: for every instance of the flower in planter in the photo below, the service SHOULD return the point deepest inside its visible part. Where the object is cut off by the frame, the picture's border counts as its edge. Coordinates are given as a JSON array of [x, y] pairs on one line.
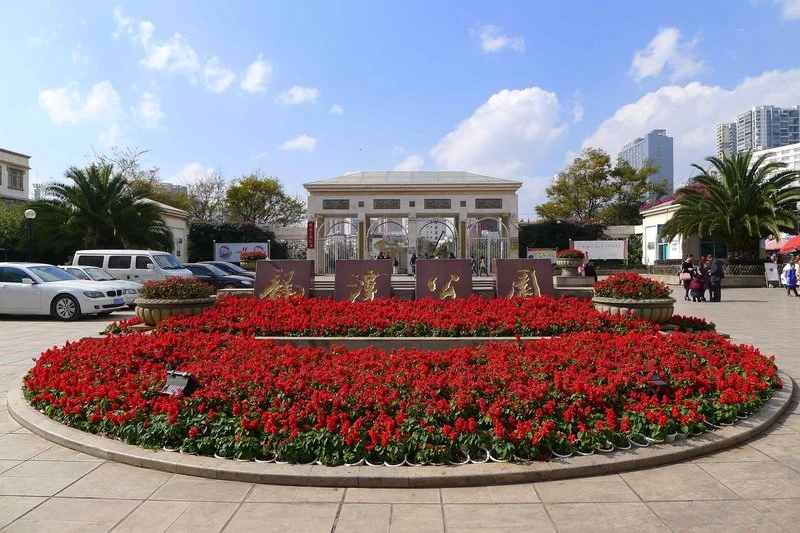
[[252, 256], [176, 289], [631, 286], [570, 254]]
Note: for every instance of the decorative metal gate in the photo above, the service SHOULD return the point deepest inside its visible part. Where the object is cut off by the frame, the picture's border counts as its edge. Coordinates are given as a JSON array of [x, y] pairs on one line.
[[487, 238], [338, 244], [391, 239], [437, 237]]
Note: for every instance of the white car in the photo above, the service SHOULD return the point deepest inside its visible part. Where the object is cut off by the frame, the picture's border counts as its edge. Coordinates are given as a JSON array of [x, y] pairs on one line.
[[39, 289], [130, 289]]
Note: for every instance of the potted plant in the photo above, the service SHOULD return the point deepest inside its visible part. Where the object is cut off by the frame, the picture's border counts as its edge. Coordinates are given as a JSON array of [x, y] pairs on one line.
[[172, 297], [248, 260], [630, 293], [569, 261]]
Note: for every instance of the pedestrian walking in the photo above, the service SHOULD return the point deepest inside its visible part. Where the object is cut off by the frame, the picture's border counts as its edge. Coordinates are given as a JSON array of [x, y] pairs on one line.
[[482, 267], [686, 274], [716, 274], [791, 279]]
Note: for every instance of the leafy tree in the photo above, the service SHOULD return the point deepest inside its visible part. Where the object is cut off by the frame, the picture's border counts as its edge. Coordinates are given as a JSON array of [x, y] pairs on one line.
[[207, 197], [739, 201], [261, 199], [555, 234], [631, 191], [582, 190], [12, 230], [98, 209]]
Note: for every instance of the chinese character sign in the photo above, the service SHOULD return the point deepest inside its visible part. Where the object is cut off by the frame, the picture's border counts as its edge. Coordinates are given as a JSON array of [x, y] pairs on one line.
[[526, 278], [361, 280], [311, 229], [283, 278], [444, 279], [614, 249], [230, 251]]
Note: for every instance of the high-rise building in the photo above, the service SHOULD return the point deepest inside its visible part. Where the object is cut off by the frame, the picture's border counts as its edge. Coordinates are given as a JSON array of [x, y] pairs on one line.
[[761, 128], [726, 139], [655, 147], [788, 155]]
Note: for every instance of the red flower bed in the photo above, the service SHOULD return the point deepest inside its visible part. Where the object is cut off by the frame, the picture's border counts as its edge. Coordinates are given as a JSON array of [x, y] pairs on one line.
[[472, 317], [631, 286], [569, 253], [257, 399]]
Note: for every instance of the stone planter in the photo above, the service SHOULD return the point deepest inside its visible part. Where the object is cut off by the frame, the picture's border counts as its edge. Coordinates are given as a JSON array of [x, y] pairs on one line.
[[248, 265], [569, 266], [151, 311], [658, 310]]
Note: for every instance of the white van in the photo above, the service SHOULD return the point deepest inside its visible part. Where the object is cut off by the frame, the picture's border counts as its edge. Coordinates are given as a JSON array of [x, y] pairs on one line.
[[134, 265]]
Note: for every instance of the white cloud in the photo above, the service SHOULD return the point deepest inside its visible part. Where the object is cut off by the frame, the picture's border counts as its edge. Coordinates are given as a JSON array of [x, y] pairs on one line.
[[124, 23], [493, 40], [336, 109], [217, 77], [189, 174], [257, 76], [79, 57], [397, 149], [298, 95], [149, 112], [302, 142], [666, 51], [690, 113], [412, 162], [506, 136], [110, 137], [64, 105], [42, 39], [791, 9], [577, 112]]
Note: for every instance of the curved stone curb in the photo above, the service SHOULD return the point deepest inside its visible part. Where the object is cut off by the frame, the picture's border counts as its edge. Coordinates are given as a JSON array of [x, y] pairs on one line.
[[427, 476]]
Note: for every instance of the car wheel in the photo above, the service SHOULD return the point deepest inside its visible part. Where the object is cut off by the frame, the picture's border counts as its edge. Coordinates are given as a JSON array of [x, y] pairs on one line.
[[228, 286], [65, 308]]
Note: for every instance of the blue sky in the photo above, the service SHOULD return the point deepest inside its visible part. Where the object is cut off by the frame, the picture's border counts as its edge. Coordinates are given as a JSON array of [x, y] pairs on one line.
[[309, 90]]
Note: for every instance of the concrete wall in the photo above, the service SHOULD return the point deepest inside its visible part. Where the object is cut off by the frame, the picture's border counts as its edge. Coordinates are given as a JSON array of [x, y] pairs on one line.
[[17, 161]]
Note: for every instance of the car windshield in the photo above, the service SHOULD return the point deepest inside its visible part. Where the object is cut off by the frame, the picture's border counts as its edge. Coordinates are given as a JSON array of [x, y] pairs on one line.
[[50, 273], [234, 269], [98, 274], [167, 262], [216, 270]]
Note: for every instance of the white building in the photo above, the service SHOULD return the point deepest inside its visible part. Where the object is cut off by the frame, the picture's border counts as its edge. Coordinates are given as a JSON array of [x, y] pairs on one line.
[[14, 175], [789, 154], [655, 147], [726, 139]]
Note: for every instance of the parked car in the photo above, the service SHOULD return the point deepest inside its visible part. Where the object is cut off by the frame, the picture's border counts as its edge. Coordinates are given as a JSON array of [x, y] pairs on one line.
[[39, 289], [130, 289], [218, 277], [133, 265], [230, 268]]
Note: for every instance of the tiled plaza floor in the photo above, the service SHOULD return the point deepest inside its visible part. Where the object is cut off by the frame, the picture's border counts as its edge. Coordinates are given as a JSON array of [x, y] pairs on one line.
[[755, 487]]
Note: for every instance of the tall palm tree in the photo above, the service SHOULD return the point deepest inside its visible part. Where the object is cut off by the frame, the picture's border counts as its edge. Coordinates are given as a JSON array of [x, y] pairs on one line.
[[98, 209], [738, 204]]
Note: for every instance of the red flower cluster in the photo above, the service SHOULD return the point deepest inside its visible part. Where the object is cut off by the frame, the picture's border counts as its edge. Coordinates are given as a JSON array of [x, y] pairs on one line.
[[631, 286], [570, 254], [692, 323], [471, 317], [176, 289], [257, 399], [252, 256]]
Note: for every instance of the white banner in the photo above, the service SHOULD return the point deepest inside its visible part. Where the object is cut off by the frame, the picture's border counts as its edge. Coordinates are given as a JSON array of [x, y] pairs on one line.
[[617, 249], [230, 251]]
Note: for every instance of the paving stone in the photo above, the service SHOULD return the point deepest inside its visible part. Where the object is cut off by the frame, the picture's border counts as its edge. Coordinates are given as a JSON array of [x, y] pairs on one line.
[[466, 495], [416, 518], [757, 480], [175, 517], [364, 518], [12, 507], [283, 517], [114, 480], [722, 516], [201, 489], [591, 489], [288, 493], [74, 514], [600, 517], [513, 494], [499, 517], [677, 482], [784, 512], [360, 495]]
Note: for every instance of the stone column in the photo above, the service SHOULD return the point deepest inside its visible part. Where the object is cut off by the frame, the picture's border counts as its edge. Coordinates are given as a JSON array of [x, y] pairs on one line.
[[363, 228], [412, 233]]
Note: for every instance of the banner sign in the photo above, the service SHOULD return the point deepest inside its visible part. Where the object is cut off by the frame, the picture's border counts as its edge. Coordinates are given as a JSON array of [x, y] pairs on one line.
[[444, 279], [523, 277], [616, 249], [283, 278], [230, 251], [311, 232], [362, 280], [543, 253]]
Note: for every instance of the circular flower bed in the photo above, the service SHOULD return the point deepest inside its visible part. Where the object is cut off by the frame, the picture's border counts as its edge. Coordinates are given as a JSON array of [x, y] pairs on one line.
[[258, 400], [570, 254], [470, 317], [631, 286]]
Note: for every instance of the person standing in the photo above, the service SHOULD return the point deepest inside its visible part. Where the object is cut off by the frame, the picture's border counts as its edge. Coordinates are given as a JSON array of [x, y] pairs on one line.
[[791, 280], [687, 274], [474, 266], [414, 264], [482, 267], [395, 265], [705, 269], [589, 271], [716, 274]]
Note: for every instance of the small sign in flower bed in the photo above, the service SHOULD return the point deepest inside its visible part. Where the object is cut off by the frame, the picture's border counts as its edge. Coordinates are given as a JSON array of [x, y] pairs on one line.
[[257, 400], [470, 317]]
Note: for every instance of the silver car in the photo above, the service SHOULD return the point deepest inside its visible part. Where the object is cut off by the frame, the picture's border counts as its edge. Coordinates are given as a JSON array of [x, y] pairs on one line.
[[130, 289]]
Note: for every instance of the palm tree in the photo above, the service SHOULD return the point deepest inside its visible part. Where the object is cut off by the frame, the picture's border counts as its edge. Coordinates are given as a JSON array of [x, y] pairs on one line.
[[739, 203], [98, 209]]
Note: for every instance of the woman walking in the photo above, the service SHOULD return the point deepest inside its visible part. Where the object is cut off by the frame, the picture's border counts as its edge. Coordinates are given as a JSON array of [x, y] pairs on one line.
[[687, 274], [791, 280], [716, 274]]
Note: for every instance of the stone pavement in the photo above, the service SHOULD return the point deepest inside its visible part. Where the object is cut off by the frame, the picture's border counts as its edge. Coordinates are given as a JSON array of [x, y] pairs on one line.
[[754, 487]]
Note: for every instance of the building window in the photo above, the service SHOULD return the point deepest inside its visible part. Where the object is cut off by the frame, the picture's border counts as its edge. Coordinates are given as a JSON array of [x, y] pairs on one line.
[[412, 203], [16, 179], [386, 203], [437, 203], [463, 203], [488, 203], [361, 203], [335, 204]]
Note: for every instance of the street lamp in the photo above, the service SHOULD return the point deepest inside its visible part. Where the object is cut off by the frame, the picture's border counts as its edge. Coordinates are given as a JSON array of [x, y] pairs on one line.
[[30, 214]]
